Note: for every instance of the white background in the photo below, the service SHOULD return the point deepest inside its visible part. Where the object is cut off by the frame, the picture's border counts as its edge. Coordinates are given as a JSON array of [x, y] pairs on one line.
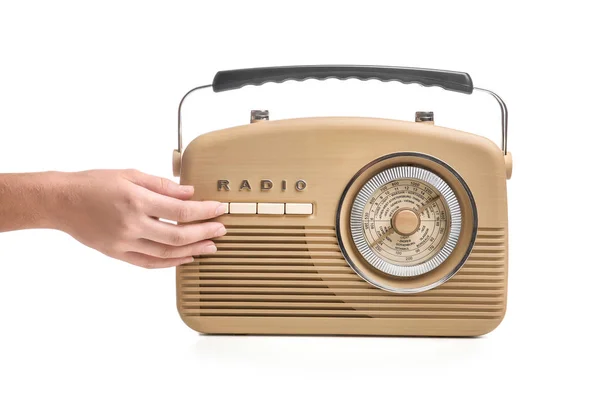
[[96, 85]]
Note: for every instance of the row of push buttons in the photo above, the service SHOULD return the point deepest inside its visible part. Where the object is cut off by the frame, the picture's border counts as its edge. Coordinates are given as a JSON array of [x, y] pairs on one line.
[[270, 208]]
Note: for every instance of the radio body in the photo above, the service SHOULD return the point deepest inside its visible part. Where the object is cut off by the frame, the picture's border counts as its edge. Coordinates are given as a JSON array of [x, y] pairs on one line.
[[348, 226]]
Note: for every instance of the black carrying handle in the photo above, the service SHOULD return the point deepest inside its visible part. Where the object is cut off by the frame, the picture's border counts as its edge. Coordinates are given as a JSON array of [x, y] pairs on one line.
[[450, 80], [234, 79]]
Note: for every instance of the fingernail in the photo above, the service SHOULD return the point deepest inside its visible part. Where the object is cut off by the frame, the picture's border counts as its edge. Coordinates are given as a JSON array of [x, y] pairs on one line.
[[221, 210], [187, 189], [210, 249], [221, 231]]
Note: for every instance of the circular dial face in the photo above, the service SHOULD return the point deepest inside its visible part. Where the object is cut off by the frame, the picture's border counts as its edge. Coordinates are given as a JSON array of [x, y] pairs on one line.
[[405, 221]]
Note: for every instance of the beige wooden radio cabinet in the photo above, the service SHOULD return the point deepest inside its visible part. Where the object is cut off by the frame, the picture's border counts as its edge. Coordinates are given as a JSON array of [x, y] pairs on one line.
[[348, 226]]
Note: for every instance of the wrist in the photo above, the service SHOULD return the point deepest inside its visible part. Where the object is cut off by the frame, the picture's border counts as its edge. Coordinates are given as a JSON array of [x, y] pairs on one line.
[[58, 198], [31, 200], [43, 199]]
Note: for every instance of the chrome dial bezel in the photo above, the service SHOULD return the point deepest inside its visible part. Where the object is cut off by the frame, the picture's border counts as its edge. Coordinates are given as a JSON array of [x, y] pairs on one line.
[[381, 179]]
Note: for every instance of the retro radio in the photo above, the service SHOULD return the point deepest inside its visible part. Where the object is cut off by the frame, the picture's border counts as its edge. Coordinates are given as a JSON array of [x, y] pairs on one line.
[[348, 226]]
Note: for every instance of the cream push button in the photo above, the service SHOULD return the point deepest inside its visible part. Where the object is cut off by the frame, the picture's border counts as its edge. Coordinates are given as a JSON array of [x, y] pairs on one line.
[[242, 208], [271, 208], [298, 208]]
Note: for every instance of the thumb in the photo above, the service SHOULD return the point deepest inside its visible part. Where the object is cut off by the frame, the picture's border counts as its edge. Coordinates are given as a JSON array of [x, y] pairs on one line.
[[160, 185]]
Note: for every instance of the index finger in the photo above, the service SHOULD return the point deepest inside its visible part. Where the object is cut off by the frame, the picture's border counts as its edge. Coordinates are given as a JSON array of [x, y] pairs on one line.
[[159, 185], [182, 210]]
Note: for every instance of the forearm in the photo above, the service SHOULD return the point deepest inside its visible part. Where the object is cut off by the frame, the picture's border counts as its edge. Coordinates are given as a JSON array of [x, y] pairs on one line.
[[30, 200]]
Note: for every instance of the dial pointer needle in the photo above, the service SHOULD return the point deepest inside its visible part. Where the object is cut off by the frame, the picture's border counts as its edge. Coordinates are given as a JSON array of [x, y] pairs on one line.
[[424, 206], [382, 237]]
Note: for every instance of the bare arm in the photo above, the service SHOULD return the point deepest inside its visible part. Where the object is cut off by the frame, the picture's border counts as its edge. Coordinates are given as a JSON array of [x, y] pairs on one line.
[[115, 212], [28, 200]]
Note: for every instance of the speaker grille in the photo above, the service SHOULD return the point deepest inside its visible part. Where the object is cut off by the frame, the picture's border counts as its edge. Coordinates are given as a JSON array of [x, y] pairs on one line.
[[297, 271]]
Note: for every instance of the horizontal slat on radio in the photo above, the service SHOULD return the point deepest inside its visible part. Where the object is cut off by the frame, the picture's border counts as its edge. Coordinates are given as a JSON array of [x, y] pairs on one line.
[[299, 246], [318, 284], [275, 253], [256, 305], [274, 239], [390, 298], [266, 268], [340, 269], [492, 250], [327, 290], [493, 237], [496, 242], [274, 231], [270, 261], [347, 313], [489, 277], [312, 276], [493, 270], [269, 275], [483, 263], [486, 256]]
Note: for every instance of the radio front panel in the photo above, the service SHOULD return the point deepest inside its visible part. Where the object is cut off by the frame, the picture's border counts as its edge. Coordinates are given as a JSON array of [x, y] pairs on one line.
[[349, 226]]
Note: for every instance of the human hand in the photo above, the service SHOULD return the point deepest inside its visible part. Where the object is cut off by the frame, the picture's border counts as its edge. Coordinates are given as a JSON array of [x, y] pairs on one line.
[[117, 213]]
